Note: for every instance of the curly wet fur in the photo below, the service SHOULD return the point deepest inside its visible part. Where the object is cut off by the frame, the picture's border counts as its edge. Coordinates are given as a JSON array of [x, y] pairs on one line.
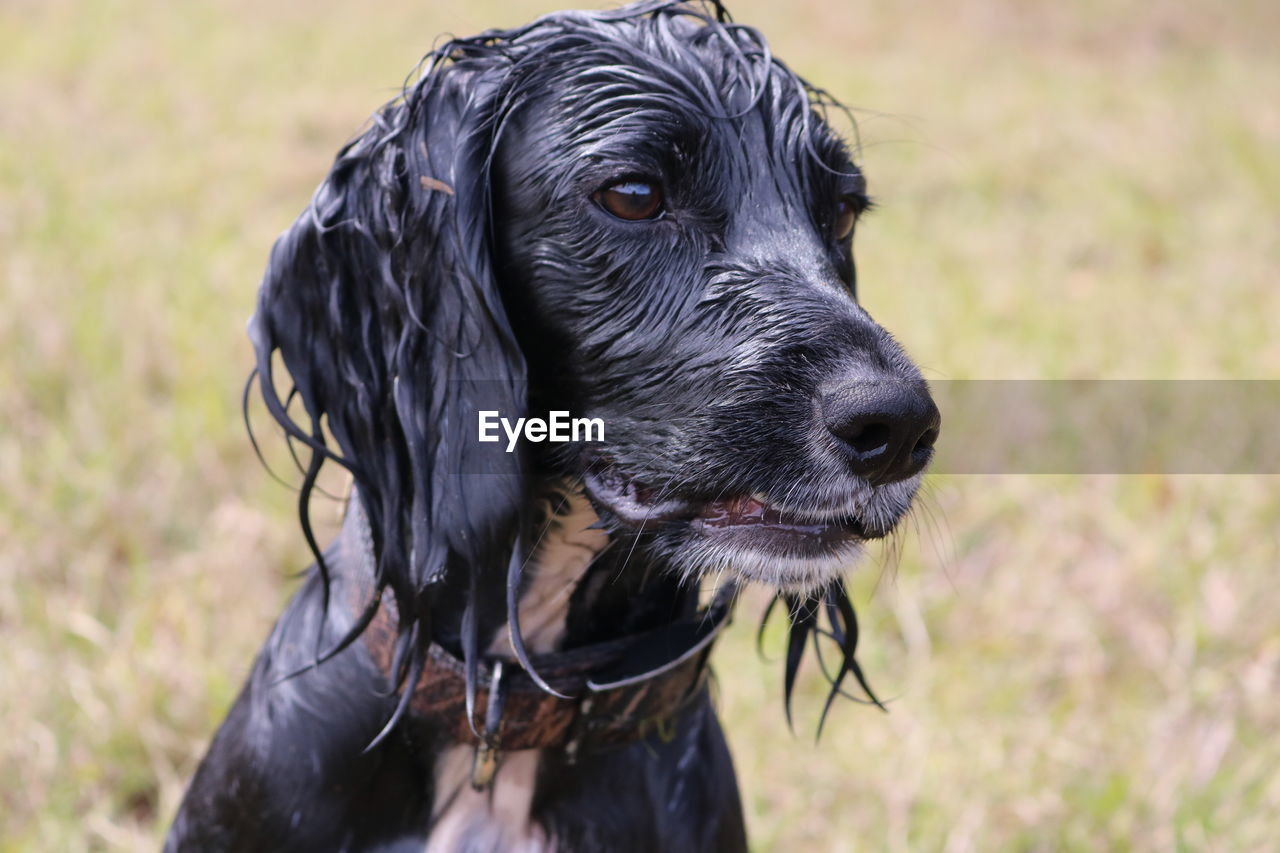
[[453, 261]]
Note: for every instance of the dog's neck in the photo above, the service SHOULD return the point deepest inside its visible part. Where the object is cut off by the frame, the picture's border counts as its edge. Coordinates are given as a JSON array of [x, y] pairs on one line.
[[567, 547], [582, 584]]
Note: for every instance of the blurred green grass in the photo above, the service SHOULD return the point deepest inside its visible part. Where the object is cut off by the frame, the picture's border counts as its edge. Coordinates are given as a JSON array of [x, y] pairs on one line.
[[1066, 190]]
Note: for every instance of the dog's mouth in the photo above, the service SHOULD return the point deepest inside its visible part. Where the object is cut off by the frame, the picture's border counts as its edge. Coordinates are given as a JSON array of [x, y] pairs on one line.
[[741, 521]]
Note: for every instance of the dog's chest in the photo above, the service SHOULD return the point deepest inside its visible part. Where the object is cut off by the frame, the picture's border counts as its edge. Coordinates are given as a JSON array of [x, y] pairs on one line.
[[495, 819]]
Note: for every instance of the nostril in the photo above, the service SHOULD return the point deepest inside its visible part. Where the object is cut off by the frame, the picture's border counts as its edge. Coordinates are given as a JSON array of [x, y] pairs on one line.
[[869, 439], [926, 441]]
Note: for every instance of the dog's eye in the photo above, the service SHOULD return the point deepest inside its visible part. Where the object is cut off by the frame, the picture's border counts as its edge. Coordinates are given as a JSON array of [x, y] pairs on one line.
[[846, 216], [631, 200]]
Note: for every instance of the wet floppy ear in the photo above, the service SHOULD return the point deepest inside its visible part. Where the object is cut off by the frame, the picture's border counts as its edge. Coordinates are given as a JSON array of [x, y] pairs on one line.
[[382, 304]]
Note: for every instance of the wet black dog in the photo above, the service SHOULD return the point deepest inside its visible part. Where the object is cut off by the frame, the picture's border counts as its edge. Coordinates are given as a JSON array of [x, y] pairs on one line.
[[638, 216]]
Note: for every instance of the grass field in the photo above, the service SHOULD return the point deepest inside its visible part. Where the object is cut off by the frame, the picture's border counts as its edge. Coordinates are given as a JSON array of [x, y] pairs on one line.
[[1066, 190]]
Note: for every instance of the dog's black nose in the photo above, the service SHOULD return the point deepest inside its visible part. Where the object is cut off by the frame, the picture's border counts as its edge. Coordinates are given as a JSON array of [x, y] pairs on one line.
[[886, 427]]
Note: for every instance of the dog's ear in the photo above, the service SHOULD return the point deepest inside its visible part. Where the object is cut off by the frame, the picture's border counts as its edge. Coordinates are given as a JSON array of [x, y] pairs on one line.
[[382, 304]]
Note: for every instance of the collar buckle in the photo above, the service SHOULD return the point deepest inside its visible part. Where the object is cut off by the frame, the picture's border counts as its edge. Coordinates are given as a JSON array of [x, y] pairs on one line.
[[484, 763]]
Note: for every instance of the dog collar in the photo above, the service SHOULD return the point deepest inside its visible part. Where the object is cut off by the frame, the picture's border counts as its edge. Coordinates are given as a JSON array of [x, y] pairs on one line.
[[620, 691]]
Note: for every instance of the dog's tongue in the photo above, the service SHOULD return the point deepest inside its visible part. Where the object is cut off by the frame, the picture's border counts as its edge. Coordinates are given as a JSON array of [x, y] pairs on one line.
[[747, 512], [742, 510]]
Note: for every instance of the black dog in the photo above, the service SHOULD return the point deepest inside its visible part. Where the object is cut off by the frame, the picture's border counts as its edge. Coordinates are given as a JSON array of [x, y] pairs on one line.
[[637, 216]]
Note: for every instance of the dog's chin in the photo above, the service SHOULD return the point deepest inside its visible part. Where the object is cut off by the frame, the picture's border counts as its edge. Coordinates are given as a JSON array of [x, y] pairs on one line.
[[743, 536], [799, 570]]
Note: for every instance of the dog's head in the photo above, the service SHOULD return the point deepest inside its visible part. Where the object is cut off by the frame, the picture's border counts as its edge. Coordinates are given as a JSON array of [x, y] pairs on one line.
[[638, 216], [674, 224]]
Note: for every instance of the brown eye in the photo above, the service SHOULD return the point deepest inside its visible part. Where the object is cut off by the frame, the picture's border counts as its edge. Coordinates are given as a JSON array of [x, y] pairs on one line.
[[846, 216], [631, 200]]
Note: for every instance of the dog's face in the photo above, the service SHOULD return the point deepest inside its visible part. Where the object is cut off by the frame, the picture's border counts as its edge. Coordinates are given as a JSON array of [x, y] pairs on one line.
[[674, 226], [646, 217]]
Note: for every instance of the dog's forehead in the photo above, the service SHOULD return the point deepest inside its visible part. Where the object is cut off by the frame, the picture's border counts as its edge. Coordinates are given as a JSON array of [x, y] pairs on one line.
[[665, 81]]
